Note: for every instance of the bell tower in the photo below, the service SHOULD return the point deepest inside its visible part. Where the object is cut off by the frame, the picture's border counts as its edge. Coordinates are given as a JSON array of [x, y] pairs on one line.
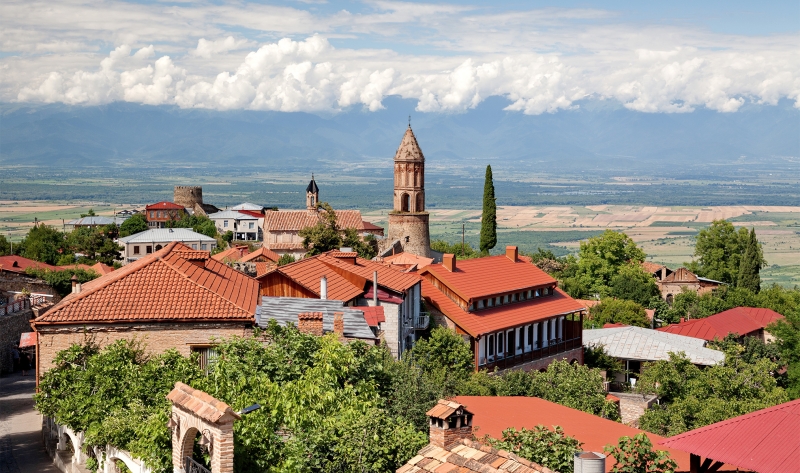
[[312, 195], [408, 221]]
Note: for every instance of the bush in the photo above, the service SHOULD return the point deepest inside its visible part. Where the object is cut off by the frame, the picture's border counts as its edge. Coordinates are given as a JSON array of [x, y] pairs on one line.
[[636, 455], [550, 448], [617, 311]]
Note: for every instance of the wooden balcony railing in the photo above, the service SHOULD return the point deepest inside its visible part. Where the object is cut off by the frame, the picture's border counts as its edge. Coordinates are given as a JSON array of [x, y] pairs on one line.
[[533, 355]]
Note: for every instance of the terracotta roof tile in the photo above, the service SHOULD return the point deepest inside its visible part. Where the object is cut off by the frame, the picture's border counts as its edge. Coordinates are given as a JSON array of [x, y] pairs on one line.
[[200, 403], [408, 259], [237, 253], [263, 268], [387, 277], [102, 269], [504, 316], [308, 271], [409, 149], [651, 267], [467, 457], [296, 220], [261, 254], [480, 277], [162, 286]]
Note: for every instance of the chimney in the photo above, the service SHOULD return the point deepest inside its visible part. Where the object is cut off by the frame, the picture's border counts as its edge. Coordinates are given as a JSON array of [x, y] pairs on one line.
[[683, 320], [511, 253], [338, 325], [74, 280], [323, 288], [449, 262], [345, 255], [310, 323], [449, 423], [375, 288]]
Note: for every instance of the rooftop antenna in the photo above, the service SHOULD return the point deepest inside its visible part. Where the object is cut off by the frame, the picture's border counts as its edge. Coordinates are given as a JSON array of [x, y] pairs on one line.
[[409, 121]]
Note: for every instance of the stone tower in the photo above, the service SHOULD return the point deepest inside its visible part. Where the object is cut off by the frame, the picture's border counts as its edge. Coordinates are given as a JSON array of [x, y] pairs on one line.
[[408, 221], [188, 196], [312, 195]]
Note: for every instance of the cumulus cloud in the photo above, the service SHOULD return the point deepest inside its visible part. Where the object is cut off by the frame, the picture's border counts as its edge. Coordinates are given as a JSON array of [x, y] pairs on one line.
[[542, 60]]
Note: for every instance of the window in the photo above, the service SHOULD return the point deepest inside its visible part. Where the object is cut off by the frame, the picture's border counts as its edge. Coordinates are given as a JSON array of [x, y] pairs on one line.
[[225, 223], [491, 303], [252, 225], [148, 249], [480, 304], [194, 246], [510, 344], [208, 355], [529, 338], [499, 301], [490, 345], [506, 299], [536, 294], [152, 214], [499, 345], [203, 246], [514, 297]]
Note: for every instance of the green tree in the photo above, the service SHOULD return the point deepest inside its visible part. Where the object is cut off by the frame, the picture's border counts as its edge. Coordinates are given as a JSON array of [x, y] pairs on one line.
[[618, 311], [787, 339], [596, 357], [43, 243], [366, 247], [198, 223], [61, 281], [136, 223], [718, 251], [548, 262], [227, 237], [633, 283], [325, 235], [97, 244], [445, 356], [750, 266], [636, 455], [489, 214], [5, 246], [600, 258], [462, 252], [90, 213], [550, 448], [286, 259]]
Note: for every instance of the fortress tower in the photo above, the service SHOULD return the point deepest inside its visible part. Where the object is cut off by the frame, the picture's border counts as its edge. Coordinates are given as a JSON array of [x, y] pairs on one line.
[[188, 196], [408, 221]]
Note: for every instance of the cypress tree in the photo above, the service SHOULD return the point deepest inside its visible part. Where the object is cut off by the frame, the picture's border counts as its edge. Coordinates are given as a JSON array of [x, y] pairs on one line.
[[489, 216], [750, 265]]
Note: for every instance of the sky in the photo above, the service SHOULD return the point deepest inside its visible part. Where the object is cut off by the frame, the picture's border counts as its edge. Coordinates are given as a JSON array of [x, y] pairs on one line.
[[327, 56]]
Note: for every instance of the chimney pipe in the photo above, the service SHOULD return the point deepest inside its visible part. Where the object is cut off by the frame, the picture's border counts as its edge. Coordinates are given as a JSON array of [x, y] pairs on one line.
[[375, 288], [511, 253], [323, 288], [449, 262], [74, 280], [683, 320]]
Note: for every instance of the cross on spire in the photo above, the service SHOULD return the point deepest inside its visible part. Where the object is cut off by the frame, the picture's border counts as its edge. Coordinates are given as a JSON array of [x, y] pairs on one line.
[[409, 121]]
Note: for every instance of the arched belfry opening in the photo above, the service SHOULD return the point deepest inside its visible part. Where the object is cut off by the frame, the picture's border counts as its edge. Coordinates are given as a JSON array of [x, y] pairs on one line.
[[405, 203]]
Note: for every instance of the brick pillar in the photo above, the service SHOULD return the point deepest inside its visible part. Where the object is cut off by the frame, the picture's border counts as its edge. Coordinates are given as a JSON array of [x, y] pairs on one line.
[[338, 325], [222, 450], [310, 323]]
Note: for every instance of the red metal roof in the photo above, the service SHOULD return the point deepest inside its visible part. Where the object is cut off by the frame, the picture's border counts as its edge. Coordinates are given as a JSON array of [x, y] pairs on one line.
[[18, 264], [500, 317], [765, 441], [168, 285], [251, 213], [493, 414], [164, 206], [27, 339], [739, 320], [481, 277]]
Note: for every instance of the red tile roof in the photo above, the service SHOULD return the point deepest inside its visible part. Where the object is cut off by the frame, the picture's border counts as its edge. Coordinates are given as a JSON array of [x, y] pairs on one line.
[[308, 272], [651, 267], [739, 320], [232, 254], [500, 317], [295, 220], [588, 303], [201, 404], [102, 269], [164, 206], [263, 267], [18, 264], [480, 277], [367, 226], [766, 441], [285, 246], [161, 287], [408, 259], [493, 414], [261, 253], [251, 213], [373, 315], [387, 277]]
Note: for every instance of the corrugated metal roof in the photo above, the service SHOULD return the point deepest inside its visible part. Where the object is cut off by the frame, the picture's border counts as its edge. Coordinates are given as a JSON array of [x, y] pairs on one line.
[[500, 317], [96, 220], [247, 206], [286, 309], [765, 441], [166, 235], [739, 320], [637, 343]]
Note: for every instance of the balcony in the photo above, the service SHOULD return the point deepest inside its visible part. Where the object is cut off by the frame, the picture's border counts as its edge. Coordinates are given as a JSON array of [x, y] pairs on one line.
[[421, 321], [554, 348]]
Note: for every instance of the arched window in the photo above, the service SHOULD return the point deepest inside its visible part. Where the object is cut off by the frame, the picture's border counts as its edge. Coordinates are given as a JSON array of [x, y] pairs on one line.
[[405, 203]]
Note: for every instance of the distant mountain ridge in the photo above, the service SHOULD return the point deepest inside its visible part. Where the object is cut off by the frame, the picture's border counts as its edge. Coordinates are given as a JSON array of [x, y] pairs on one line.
[[598, 134]]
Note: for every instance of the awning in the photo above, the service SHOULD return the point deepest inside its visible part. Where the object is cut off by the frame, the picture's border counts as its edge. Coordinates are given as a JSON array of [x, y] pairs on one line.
[[27, 340]]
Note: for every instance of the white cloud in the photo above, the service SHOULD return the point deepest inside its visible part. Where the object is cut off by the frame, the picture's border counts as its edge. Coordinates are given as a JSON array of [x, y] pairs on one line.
[[541, 60]]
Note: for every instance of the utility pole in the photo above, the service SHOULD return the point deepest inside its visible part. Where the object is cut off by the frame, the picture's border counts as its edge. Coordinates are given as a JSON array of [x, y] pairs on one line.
[[463, 226]]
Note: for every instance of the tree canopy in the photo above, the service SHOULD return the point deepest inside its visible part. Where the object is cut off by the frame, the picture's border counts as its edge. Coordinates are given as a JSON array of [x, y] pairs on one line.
[[619, 311], [43, 243], [326, 235], [719, 250], [489, 215], [787, 340], [136, 223]]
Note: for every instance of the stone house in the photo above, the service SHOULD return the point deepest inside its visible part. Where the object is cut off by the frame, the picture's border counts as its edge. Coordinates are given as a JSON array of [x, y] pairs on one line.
[[176, 297], [160, 213], [511, 313], [671, 283], [141, 244], [282, 227], [343, 276]]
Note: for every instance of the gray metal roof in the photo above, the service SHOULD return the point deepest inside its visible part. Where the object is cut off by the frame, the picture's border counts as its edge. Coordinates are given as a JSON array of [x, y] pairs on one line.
[[96, 220], [247, 206], [285, 309], [166, 235], [637, 343]]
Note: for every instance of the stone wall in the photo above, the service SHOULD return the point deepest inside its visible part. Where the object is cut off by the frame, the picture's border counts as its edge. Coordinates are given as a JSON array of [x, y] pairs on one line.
[[632, 406], [413, 226], [188, 196], [11, 327], [157, 337], [16, 282]]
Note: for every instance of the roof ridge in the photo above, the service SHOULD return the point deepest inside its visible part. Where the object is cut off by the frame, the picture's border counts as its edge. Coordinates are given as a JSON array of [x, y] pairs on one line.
[[734, 420], [186, 276]]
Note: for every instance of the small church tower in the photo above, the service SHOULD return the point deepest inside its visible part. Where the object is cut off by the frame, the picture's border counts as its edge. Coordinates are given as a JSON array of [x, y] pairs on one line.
[[312, 195], [408, 221]]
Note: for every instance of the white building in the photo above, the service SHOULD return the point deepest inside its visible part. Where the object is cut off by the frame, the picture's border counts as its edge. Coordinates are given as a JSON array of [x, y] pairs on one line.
[[144, 243], [245, 224]]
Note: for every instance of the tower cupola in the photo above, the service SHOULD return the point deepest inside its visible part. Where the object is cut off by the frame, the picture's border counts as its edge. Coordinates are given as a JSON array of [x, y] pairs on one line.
[[312, 195], [409, 175]]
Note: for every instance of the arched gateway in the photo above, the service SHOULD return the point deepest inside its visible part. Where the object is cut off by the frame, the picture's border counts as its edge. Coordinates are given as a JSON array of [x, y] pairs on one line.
[[195, 412]]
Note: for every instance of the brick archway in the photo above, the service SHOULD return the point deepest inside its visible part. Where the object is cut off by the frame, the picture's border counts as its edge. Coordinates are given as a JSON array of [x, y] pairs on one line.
[[193, 412]]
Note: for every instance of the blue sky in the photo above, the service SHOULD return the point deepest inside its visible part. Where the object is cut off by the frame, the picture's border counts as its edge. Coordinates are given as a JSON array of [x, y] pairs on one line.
[[317, 56]]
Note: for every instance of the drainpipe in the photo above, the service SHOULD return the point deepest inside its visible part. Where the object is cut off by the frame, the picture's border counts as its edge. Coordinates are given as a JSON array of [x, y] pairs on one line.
[[375, 288]]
